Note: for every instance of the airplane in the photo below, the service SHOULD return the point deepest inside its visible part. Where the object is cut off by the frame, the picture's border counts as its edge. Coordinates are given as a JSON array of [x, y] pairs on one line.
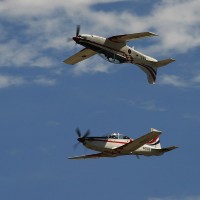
[[115, 50], [116, 144]]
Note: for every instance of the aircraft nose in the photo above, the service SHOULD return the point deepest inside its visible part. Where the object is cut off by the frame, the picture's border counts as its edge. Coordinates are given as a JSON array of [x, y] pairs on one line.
[[76, 39], [81, 139]]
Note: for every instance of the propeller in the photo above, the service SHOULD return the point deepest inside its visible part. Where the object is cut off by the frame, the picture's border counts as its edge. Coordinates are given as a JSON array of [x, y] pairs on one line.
[[78, 132], [81, 139], [78, 27]]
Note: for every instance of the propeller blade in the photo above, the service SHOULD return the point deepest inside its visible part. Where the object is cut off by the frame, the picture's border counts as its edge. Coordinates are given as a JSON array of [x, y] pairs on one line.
[[78, 30], [76, 145], [81, 139], [78, 132], [86, 134]]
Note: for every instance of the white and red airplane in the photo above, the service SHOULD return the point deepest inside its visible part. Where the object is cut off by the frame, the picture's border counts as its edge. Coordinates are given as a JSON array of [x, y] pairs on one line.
[[117, 144], [115, 50]]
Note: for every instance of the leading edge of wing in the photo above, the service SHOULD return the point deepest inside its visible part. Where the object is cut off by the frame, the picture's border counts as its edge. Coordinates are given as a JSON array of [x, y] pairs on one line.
[[135, 144], [80, 56], [97, 155], [133, 36]]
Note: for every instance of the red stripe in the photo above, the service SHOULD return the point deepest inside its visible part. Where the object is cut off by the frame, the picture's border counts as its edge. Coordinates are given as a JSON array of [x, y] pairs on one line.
[[104, 46], [153, 140], [109, 141], [149, 69]]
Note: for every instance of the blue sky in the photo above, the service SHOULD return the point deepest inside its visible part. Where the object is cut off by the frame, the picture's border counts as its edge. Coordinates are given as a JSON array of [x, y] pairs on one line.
[[44, 100]]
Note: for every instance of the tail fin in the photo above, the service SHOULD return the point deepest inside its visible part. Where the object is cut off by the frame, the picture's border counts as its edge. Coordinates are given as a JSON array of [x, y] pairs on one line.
[[155, 142], [151, 68]]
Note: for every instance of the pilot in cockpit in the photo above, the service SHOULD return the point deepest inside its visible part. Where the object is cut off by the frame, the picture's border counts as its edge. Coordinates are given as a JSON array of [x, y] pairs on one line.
[[114, 136], [126, 137]]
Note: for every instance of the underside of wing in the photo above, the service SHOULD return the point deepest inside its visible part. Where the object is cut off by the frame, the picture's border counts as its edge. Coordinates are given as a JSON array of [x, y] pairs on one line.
[[81, 55], [134, 145], [97, 155], [134, 36]]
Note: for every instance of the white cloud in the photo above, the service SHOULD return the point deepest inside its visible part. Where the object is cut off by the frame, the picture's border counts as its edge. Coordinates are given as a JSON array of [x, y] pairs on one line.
[[40, 80], [18, 55], [191, 81], [92, 66], [46, 24], [8, 81], [178, 24], [150, 106], [173, 80]]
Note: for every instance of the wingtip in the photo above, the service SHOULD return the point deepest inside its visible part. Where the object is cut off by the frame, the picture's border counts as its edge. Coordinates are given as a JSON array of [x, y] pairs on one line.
[[65, 61], [155, 130], [154, 34]]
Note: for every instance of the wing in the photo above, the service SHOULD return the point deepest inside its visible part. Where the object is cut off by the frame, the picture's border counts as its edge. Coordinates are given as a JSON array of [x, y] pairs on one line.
[[97, 155], [134, 36], [134, 145], [81, 55]]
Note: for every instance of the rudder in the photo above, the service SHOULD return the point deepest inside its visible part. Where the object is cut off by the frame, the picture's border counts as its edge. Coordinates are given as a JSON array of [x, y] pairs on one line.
[[151, 67], [155, 142]]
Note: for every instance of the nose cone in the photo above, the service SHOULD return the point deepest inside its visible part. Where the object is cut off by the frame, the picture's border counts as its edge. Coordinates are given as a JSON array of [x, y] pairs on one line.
[[81, 140], [76, 39]]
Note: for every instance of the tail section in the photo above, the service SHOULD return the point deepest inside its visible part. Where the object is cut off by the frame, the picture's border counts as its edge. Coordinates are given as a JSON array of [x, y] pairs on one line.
[[155, 145], [164, 150], [151, 68], [155, 142]]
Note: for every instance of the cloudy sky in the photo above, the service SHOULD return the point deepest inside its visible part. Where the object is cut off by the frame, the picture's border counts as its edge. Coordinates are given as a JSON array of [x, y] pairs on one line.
[[44, 100]]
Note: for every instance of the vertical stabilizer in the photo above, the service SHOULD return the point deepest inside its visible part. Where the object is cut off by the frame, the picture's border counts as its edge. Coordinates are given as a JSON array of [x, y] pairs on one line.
[[151, 66], [155, 142]]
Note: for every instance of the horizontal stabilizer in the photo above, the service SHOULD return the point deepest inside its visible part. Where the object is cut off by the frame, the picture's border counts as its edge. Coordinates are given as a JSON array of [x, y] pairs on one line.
[[167, 149], [163, 62]]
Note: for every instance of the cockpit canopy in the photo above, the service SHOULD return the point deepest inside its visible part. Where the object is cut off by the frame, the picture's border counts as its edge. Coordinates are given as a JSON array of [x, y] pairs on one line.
[[117, 136]]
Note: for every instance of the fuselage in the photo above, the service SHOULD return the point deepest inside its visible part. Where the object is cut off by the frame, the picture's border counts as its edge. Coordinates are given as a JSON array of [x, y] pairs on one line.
[[114, 52], [113, 141]]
